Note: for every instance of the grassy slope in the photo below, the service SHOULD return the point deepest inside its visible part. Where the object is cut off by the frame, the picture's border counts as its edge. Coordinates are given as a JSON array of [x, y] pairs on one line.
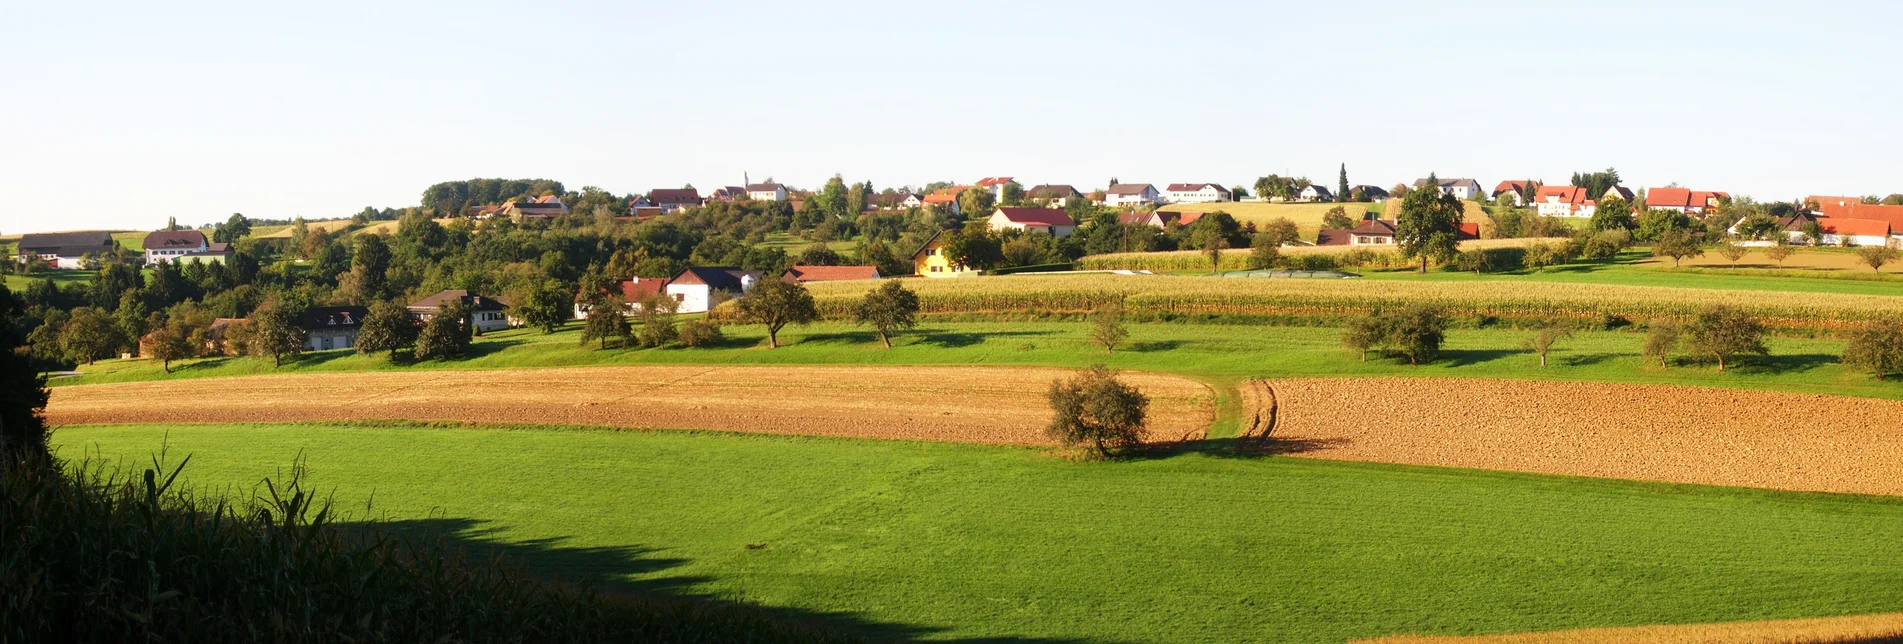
[[793, 245], [1007, 542], [18, 282]]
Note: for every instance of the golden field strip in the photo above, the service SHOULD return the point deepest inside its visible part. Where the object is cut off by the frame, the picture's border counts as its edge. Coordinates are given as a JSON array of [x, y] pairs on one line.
[[1675, 434], [1886, 627], [1350, 297], [1238, 258], [1003, 405]]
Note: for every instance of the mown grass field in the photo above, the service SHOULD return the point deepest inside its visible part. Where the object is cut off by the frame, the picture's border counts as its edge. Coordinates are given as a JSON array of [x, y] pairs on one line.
[[793, 245], [957, 541], [60, 277]]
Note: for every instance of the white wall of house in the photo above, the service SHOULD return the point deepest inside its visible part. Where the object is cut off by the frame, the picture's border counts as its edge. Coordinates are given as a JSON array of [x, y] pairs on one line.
[[486, 321], [698, 298], [327, 339], [1312, 193], [1148, 196], [778, 193], [154, 256], [1207, 194], [1369, 240]]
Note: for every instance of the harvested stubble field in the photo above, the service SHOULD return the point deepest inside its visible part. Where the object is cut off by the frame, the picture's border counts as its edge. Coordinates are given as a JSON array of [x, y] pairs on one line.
[[1784, 441], [1886, 627], [1509, 299], [960, 404]]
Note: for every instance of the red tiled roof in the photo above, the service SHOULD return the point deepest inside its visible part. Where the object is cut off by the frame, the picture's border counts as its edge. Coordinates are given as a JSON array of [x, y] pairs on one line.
[[1036, 216], [1567, 194], [1855, 227], [1514, 185], [664, 196], [1187, 218], [994, 181], [1668, 198], [803, 274], [1469, 230], [945, 195], [1135, 218]]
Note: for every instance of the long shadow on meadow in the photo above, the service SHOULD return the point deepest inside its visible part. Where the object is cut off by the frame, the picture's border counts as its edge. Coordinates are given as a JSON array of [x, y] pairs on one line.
[[632, 572]]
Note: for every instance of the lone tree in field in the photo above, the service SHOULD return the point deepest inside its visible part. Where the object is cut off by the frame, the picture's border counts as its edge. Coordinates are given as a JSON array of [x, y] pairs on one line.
[[776, 304], [1095, 408], [1780, 250], [887, 309], [275, 332], [1877, 348], [1212, 248], [1283, 230], [1732, 251], [1721, 332], [386, 329], [1661, 339], [1429, 224], [1365, 334], [170, 343], [446, 334], [1677, 244], [657, 321], [90, 335], [1264, 252], [606, 321], [1417, 332], [1542, 340], [545, 308], [1876, 256], [1106, 327]]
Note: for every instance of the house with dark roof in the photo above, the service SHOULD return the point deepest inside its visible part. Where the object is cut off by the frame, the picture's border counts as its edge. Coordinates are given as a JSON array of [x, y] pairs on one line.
[[1059, 195], [332, 327], [1135, 218], [166, 245], [701, 288], [1374, 231], [673, 200], [1131, 194], [64, 250], [806, 274], [1315, 192], [1196, 193], [766, 192], [1047, 220], [1459, 188], [1371, 193], [541, 208], [632, 293], [485, 313]]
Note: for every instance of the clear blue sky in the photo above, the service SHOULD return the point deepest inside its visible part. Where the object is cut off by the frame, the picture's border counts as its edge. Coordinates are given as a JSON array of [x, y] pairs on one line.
[[120, 115]]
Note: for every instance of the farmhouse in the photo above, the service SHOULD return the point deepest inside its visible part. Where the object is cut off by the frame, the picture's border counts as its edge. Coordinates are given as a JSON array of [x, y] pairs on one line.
[[994, 185], [485, 313], [64, 250], [164, 245], [946, 198], [766, 191], [1691, 202], [1459, 188], [1141, 219], [930, 260], [1056, 195], [806, 274], [1374, 231], [1564, 201], [1046, 220], [1843, 231], [893, 201], [1196, 193], [332, 327], [1854, 208], [1131, 194], [1515, 190], [1314, 192], [673, 200], [542, 208], [631, 291], [728, 193], [701, 288]]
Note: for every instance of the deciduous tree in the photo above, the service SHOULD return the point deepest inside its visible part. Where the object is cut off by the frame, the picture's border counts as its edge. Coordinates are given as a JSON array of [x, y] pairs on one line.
[[1721, 332], [775, 303], [1096, 408], [1337, 219], [1106, 327], [446, 335], [1428, 226], [1678, 244], [545, 308], [275, 331], [1549, 333], [387, 328], [1876, 348], [1876, 256], [90, 334], [887, 309], [657, 320]]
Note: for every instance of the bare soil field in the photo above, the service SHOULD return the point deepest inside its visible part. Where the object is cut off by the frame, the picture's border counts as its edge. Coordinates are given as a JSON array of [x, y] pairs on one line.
[[1833, 630], [959, 404], [1830, 260], [1675, 434]]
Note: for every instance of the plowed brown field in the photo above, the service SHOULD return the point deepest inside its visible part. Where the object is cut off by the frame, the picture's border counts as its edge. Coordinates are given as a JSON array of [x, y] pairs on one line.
[[1859, 628], [1647, 432], [962, 404]]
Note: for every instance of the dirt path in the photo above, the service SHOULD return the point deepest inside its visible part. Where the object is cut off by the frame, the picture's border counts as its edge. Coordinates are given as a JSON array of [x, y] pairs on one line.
[[1857, 628], [1646, 432], [961, 404]]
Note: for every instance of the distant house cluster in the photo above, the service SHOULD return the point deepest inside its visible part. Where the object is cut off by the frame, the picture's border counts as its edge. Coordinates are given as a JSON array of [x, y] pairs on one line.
[[1847, 221]]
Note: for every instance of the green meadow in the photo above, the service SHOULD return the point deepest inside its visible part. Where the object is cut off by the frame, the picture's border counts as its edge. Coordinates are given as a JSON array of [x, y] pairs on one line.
[[946, 541]]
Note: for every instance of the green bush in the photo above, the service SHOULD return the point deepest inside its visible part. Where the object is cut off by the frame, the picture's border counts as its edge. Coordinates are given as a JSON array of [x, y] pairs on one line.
[[700, 333]]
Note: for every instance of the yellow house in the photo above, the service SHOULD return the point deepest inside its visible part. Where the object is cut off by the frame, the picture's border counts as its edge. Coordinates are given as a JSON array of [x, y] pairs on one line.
[[930, 260]]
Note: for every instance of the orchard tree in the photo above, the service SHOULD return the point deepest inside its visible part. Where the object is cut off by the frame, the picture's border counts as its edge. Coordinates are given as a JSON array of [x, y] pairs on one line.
[[1678, 244], [387, 328], [546, 308], [1612, 213], [1543, 339], [1212, 248], [1417, 333], [1264, 252], [1365, 333], [90, 334], [169, 344], [1337, 219], [1429, 225], [275, 331], [1281, 231], [446, 335], [1876, 348], [606, 321], [1720, 332], [887, 309], [1106, 327], [777, 303], [1876, 256], [657, 320], [1095, 408]]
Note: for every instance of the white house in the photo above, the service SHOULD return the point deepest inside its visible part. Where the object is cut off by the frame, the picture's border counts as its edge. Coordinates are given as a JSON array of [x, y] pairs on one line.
[[631, 291], [1047, 220], [485, 314], [1056, 195], [701, 288], [996, 186], [1564, 201], [64, 250], [1459, 188], [1314, 192], [766, 191], [168, 245], [1512, 191], [332, 327], [1196, 193], [1131, 194]]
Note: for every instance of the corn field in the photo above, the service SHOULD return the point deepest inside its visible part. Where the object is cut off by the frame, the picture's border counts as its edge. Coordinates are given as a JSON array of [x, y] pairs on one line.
[[1238, 259], [1334, 298]]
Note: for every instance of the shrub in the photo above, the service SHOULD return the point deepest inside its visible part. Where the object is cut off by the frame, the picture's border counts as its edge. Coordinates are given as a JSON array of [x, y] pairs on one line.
[[1264, 251], [1876, 348], [1097, 409], [446, 334], [1661, 338], [1417, 332], [657, 321], [1475, 261], [1106, 327], [701, 333]]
